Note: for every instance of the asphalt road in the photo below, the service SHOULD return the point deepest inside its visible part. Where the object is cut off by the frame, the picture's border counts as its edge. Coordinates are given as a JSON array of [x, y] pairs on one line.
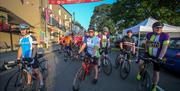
[[61, 76], [65, 72]]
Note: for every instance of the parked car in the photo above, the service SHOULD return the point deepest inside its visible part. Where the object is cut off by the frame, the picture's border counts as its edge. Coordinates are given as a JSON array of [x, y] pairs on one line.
[[173, 55]]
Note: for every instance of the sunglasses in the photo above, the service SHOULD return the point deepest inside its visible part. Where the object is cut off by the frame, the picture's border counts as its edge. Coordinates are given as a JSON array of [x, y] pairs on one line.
[[158, 27], [91, 31]]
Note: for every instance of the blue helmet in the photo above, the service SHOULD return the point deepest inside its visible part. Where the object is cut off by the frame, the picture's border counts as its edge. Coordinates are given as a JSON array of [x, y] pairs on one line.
[[23, 26]]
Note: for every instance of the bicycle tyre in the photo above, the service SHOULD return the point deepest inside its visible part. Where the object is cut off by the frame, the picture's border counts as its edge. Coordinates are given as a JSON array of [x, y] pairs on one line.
[[117, 62], [124, 69], [107, 67], [79, 77], [145, 82]]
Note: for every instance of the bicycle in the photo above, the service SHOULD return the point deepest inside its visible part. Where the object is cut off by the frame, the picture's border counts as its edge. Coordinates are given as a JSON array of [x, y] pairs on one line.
[[82, 72], [123, 62], [67, 54], [145, 81], [61, 48], [20, 77], [105, 62]]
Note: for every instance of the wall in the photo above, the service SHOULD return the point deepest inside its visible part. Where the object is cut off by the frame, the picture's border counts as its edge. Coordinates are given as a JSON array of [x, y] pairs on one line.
[[6, 37]]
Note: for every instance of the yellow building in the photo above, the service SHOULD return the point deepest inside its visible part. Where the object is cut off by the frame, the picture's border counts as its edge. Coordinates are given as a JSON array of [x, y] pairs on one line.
[[33, 12]]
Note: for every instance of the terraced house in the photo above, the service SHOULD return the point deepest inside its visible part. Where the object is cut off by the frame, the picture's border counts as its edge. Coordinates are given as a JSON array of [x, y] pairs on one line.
[[47, 21]]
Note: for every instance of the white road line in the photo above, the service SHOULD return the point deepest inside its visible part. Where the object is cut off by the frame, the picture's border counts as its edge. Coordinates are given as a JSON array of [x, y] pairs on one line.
[[160, 89]]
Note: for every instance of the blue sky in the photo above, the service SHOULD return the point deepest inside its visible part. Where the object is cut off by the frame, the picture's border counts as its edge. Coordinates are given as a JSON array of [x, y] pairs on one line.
[[84, 11]]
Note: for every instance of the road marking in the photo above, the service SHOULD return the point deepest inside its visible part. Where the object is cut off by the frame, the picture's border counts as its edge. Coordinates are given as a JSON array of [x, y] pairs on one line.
[[160, 89]]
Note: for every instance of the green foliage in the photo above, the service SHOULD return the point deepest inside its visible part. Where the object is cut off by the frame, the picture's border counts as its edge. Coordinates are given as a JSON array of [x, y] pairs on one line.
[[131, 12], [101, 18], [135, 11]]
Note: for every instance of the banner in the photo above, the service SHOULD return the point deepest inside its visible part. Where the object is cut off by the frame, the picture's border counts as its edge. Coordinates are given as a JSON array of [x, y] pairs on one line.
[[71, 1]]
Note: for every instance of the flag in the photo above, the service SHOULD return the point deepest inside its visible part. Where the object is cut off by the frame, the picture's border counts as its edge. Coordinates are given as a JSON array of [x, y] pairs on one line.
[[71, 1]]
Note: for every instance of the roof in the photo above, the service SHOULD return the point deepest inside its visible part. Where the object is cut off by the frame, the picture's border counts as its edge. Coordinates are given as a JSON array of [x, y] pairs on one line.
[[146, 26]]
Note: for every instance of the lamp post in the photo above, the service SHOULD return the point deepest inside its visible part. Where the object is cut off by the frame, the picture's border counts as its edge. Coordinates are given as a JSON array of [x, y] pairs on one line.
[[11, 37]]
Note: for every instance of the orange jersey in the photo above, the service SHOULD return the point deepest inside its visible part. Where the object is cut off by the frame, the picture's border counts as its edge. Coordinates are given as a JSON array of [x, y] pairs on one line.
[[68, 40]]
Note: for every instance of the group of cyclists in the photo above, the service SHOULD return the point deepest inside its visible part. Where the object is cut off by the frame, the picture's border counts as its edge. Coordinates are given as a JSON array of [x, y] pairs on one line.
[[156, 46]]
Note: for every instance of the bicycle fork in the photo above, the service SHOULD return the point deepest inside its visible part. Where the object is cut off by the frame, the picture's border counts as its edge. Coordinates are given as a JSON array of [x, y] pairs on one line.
[[86, 67]]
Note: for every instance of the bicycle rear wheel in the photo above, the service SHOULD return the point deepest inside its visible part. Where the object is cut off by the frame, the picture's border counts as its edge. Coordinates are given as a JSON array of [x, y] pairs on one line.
[[79, 77], [43, 66], [65, 56], [117, 61], [107, 66], [145, 82], [124, 69], [22, 86]]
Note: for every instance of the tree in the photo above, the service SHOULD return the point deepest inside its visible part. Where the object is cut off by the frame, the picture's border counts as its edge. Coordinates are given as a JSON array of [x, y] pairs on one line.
[[101, 18], [131, 12]]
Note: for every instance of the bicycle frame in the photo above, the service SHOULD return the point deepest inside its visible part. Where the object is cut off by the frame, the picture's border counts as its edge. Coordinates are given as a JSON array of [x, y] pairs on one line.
[[86, 66]]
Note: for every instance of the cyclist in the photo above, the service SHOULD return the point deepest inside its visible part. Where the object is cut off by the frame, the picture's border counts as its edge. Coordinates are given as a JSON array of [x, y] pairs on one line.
[[28, 52], [104, 42], [128, 44], [68, 41], [92, 44], [85, 36], [155, 47]]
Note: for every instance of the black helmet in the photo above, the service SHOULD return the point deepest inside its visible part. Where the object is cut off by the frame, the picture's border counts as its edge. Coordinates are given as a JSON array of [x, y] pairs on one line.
[[129, 31], [91, 28], [157, 24]]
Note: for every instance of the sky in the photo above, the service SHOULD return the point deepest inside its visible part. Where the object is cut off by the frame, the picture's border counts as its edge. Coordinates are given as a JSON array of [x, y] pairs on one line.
[[84, 11]]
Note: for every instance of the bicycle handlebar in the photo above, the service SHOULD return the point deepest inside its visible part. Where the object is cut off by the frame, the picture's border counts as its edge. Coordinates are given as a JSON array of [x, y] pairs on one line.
[[154, 60]]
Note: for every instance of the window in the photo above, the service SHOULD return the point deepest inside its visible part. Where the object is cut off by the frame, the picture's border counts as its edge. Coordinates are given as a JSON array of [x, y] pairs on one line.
[[65, 17], [59, 12], [50, 7]]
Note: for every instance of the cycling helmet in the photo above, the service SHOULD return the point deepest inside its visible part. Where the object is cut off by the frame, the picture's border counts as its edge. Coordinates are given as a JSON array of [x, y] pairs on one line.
[[157, 24], [91, 29], [105, 29], [67, 34], [129, 31], [23, 26]]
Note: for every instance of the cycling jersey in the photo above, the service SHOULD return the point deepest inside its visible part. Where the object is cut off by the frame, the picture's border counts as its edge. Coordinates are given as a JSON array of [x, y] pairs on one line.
[[93, 46], [26, 43], [104, 40], [155, 43], [84, 38], [128, 42], [78, 40], [68, 40]]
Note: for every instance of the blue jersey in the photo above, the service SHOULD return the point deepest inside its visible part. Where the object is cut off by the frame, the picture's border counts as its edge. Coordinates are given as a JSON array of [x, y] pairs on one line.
[[93, 46], [26, 43]]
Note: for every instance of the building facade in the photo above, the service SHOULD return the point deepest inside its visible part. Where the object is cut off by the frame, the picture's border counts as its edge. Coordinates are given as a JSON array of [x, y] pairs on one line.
[[47, 22]]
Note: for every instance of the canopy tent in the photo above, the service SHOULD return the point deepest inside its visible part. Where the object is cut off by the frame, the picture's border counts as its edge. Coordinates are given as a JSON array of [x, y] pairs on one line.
[[146, 26]]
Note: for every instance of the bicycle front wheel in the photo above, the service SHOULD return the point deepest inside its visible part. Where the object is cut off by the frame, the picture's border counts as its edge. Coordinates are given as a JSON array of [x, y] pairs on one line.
[[79, 77], [117, 61], [107, 66], [145, 84], [124, 69]]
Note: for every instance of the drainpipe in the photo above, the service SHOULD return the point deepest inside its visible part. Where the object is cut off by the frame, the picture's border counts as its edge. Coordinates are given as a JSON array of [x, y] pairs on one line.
[[11, 37]]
